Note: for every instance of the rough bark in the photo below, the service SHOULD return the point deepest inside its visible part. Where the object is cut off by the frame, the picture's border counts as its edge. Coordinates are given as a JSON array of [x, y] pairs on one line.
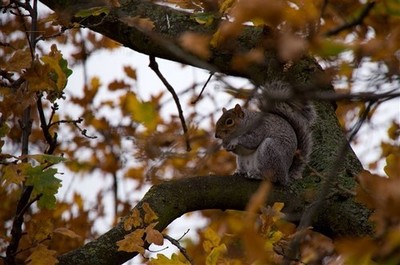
[[339, 214]]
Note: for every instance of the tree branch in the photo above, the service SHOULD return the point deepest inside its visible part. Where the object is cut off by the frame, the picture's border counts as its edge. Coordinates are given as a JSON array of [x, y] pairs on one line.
[[172, 199]]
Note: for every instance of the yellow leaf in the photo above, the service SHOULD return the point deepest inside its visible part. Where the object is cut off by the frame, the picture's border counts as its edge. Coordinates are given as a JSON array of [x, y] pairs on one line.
[[53, 60], [143, 112], [132, 242], [212, 258], [149, 215], [258, 198], [41, 255], [211, 240], [392, 168], [12, 173], [163, 260], [154, 236]]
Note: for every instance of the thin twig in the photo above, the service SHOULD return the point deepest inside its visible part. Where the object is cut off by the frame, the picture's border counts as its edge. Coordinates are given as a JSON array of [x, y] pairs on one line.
[[51, 140], [154, 66], [357, 21], [328, 183], [176, 243], [26, 126], [202, 89]]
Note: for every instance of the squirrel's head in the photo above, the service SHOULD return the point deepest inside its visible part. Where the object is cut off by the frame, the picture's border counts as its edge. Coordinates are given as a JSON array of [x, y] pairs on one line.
[[228, 123]]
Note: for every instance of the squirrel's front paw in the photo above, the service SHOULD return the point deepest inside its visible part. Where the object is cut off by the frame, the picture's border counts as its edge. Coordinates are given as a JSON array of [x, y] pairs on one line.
[[231, 145]]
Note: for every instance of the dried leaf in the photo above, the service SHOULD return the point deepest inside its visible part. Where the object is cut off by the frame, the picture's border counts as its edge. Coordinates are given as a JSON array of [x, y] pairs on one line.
[[132, 242], [41, 255], [144, 24], [154, 236], [149, 215]]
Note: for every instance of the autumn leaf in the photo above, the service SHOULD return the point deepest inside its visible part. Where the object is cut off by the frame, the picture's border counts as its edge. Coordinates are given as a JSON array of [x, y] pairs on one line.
[[392, 168], [144, 24], [116, 85], [66, 232], [21, 59], [197, 44], [41, 255], [211, 240], [154, 236], [215, 254], [132, 242], [13, 173], [149, 215], [163, 260], [130, 72], [59, 68], [143, 112], [133, 220]]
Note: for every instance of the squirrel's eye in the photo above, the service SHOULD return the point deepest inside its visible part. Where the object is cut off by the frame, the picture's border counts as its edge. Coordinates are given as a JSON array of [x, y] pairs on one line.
[[229, 122]]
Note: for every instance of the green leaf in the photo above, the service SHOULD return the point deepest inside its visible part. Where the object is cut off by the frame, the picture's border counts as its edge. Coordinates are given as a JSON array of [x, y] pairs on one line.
[[94, 11], [47, 159], [45, 183], [204, 18]]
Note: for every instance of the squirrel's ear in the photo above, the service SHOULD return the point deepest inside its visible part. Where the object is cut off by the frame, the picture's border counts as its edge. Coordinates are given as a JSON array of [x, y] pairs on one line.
[[238, 110], [224, 110]]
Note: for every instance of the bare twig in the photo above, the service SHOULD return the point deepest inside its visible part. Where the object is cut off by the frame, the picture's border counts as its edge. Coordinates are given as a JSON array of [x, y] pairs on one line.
[[176, 243], [51, 140], [357, 21], [154, 66], [328, 183], [202, 89], [75, 123]]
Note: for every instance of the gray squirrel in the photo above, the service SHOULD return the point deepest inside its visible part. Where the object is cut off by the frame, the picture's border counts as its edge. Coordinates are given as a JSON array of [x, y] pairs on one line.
[[273, 144]]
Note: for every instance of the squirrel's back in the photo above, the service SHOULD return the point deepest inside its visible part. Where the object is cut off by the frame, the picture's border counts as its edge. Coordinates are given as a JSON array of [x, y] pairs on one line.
[[277, 98]]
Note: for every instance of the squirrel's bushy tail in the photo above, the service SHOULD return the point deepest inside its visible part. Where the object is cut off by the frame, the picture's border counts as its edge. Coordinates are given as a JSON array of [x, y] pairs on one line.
[[278, 97]]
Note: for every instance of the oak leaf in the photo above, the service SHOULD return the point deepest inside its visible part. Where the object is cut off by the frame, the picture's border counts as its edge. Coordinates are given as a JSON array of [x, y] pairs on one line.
[[132, 242], [41, 255]]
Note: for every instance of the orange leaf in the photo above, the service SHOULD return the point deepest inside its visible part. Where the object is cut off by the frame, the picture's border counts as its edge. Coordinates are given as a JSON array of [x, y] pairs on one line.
[[132, 242], [154, 236]]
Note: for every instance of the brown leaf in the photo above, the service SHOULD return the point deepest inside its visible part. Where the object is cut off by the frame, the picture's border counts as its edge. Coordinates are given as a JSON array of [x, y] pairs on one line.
[[66, 232], [132, 242], [41, 255], [144, 24], [21, 59], [197, 44], [154, 236], [150, 215]]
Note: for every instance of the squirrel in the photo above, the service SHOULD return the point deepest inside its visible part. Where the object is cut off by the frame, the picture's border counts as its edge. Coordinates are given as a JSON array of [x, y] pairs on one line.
[[273, 144]]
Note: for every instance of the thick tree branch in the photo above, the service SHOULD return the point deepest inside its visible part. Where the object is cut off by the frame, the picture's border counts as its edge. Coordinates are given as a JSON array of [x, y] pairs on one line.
[[170, 200], [162, 40]]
